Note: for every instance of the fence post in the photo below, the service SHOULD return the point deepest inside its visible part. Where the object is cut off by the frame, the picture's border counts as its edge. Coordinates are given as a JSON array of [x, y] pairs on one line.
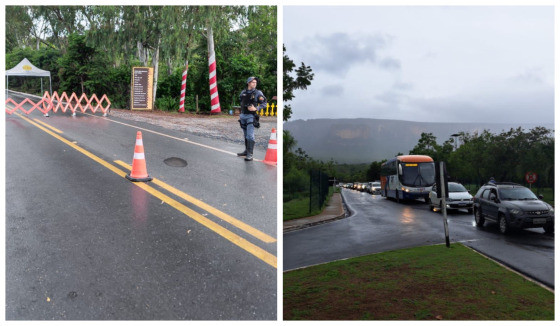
[[310, 189]]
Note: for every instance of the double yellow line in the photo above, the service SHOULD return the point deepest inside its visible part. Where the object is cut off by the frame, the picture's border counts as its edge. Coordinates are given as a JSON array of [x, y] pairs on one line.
[[225, 233]]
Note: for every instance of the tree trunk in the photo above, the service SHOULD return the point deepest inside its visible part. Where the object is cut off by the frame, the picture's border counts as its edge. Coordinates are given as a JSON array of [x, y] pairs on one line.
[[186, 71], [155, 64], [142, 53]]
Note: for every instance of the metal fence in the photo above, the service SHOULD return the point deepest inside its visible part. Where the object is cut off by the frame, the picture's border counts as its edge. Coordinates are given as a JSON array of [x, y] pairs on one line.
[[318, 189]]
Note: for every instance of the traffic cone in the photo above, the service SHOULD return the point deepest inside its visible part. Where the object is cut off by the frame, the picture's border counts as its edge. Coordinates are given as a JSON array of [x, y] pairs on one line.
[[270, 157], [139, 172]]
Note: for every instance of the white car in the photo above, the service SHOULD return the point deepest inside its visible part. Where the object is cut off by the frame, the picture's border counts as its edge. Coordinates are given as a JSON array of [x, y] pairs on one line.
[[374, 187], [458, 198]]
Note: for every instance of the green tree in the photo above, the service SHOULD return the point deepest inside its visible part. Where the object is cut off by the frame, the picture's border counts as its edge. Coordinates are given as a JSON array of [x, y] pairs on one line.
[[374, 170], [76, 65], [427, 145], [302, 80], [163, 37], [19, 26]]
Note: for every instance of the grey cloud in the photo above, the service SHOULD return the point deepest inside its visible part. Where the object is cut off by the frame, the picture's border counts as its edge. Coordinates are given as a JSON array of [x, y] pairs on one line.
[[403, 86], [520, 107], [337, 53], [397, 94], [390, 64], [332, 90], [430, 55], [532, 76], [391, 97]]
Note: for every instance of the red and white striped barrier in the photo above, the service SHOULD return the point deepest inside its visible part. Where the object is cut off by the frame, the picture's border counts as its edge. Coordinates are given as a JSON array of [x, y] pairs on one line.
[[214, 98], [183, 89]]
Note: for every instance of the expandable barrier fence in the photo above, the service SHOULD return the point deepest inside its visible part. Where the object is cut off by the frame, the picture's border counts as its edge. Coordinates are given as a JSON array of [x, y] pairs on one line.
[[73, 103], [272, 112], [62, 102]]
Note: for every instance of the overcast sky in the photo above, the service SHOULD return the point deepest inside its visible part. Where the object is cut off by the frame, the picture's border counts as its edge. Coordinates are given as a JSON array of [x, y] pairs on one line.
[[426, 63]]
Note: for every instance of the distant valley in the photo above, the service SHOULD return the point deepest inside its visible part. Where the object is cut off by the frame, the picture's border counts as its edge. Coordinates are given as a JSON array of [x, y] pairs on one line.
[[367, 140]]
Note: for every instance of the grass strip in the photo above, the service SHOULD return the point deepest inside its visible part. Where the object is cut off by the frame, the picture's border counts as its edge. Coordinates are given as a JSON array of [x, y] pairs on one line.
[[299, 207], [423, 283]]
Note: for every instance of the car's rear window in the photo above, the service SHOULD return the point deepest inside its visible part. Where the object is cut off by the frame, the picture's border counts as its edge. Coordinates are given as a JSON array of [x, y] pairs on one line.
[[517, 193]]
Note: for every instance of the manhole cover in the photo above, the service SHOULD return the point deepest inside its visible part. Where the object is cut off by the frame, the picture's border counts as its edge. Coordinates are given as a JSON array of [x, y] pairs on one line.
[[175, 162]]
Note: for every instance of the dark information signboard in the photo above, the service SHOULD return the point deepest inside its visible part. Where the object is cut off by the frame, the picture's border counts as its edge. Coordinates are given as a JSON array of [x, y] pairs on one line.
[[141, 89]]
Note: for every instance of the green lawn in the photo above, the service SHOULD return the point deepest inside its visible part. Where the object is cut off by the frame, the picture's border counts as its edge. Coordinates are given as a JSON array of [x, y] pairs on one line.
[[299, 207], [424, 283]]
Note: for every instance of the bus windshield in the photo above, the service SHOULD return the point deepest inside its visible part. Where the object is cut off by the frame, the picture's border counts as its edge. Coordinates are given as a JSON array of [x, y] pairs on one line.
[[418, 174]]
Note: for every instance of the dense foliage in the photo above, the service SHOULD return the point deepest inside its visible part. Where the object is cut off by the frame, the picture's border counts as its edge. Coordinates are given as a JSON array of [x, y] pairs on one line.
[[93, 49], [474, 158]]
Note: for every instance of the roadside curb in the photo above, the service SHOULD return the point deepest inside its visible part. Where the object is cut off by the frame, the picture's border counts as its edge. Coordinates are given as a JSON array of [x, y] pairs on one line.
[[335, 210], [545, 286]]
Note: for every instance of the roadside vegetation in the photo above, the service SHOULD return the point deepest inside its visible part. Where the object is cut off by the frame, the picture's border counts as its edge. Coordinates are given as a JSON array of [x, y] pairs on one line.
[[92, 49], [473, 158], [423, 283], [299, 169], [299, 207]]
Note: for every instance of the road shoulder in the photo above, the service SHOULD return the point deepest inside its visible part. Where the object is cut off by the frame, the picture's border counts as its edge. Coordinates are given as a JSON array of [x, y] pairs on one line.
[[333, 211]]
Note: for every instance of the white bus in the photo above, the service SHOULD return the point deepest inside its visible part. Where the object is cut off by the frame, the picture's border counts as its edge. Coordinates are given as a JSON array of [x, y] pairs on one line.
[[408, 177]]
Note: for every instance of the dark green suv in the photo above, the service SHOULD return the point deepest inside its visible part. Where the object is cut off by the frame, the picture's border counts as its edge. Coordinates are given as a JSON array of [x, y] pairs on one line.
[[512, 206]]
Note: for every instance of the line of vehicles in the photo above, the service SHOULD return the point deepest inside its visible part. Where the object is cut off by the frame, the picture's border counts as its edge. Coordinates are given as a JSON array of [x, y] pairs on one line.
[[511, 205], [373, 187]]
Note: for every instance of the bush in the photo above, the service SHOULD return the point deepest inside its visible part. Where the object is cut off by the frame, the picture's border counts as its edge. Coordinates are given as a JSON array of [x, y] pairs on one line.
[[167, 103], [295, 182]]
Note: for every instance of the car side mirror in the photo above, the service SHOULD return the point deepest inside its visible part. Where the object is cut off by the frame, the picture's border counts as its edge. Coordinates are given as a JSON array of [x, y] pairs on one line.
[[541, 197], [400, 169]]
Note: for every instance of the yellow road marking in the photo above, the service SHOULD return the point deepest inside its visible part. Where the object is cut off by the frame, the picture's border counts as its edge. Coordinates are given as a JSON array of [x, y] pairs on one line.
[[232, 237], [76, 147], [231, 220], [48, 126]]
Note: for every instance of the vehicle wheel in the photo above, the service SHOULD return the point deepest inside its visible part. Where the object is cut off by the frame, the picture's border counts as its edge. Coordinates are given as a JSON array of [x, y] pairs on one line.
[[470, 210], [478, 218], [426, 199], [504, 227], [397, 196], [549, 228]]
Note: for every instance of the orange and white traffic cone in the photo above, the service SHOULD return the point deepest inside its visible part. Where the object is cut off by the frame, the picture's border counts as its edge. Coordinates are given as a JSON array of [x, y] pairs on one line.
[[270, 157], [139, 172]]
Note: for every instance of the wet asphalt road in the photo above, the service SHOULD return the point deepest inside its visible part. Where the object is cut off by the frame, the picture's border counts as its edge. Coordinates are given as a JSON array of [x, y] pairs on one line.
[[82, 242], [378, 224]]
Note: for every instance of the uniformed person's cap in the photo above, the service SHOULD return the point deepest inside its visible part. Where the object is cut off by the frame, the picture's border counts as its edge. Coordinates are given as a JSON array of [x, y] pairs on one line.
[[250, 79]]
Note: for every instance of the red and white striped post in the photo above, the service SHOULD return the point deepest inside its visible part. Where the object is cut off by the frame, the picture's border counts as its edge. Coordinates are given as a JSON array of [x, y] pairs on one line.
[[183, 89], [214, 98]]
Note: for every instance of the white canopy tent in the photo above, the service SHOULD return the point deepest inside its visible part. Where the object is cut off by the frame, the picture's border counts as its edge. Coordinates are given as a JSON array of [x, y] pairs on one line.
[[27, 69]]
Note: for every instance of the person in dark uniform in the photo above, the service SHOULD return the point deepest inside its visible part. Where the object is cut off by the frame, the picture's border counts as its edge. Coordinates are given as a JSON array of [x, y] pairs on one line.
[[252, 101]]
